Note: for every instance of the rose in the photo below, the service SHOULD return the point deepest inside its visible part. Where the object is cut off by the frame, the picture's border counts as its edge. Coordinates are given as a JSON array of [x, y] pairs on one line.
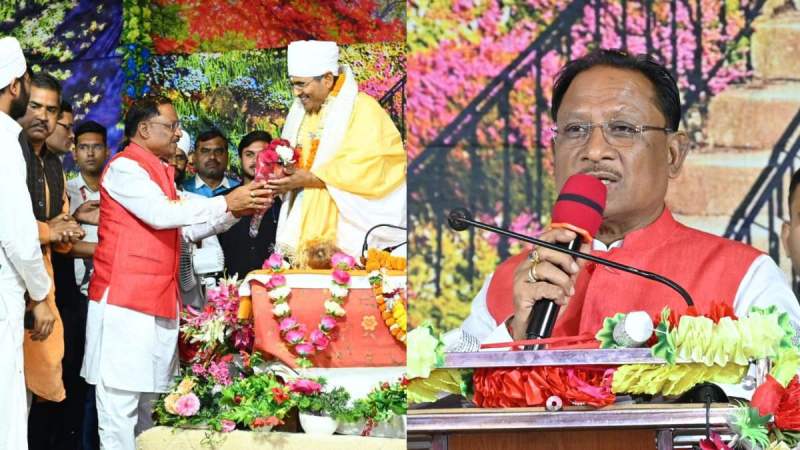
[[319, 339], [281, 310], [169, 403], [276, 281], [287, 324], [187, 405], [274, 262], [343, 261], [185, 386], [228, 425], [294, 337], [327, 323], [304, 386], [285, 154], [280, 293], [338, 291], [334, 309], [341, 277], [304, 349]]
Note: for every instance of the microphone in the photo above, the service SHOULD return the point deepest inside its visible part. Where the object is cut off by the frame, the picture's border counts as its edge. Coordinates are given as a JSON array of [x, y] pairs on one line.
[[579, 207], [388, 249], [460, 219]]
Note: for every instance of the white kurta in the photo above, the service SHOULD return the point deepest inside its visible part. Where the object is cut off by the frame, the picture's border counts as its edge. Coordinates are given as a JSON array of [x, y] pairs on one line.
[[21, 269], [127, 349], [79, 193]]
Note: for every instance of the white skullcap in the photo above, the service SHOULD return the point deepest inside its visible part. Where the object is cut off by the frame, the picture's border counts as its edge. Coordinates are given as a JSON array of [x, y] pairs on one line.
[[185, 142], [313, 58], [12, 61]]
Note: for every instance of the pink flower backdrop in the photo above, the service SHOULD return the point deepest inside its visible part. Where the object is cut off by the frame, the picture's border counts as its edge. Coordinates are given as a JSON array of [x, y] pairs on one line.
[[478, 126]]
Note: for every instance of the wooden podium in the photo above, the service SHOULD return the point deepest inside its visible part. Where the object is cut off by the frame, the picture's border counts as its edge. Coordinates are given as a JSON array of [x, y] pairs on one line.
[[661, 426]]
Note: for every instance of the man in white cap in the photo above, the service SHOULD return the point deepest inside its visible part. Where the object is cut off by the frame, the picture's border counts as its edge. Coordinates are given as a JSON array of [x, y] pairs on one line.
[[21, 264], [181, 157], [352, 173]]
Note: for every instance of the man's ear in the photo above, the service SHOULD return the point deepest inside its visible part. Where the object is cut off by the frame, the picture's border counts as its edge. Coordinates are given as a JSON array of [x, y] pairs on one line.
[[328, 79], [677, 149]]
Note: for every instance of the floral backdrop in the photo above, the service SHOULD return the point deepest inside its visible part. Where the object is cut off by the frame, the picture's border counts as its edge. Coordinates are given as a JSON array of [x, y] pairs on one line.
[[459, 51]]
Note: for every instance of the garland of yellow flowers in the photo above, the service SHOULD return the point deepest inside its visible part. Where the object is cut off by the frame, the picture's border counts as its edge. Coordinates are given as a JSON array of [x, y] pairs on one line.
[[391, 302], [308, 160]]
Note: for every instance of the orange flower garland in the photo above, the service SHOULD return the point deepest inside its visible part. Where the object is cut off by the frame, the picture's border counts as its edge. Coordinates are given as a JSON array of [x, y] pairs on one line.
[[378, 259], [308, 160], [392, 305]]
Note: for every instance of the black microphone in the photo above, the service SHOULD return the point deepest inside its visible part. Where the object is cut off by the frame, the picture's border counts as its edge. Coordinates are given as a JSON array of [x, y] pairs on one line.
[[388, 249], [460, 219]]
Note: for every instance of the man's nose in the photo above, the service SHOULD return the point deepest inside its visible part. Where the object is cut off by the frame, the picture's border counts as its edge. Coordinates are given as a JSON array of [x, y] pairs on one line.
[[597, 147]]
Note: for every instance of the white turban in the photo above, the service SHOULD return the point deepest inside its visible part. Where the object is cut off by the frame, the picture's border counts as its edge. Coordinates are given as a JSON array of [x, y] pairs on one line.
[[313, 58], [185, 142], [12, 61]]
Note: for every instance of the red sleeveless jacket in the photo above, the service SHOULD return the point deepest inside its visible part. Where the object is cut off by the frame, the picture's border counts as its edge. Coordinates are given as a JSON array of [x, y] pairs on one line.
[[137, 262], [709, 267]]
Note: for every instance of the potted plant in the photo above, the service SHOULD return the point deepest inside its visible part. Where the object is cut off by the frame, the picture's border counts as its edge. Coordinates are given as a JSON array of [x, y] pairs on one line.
[[318, 408], [388, 407], [353, 419], [258, 402]]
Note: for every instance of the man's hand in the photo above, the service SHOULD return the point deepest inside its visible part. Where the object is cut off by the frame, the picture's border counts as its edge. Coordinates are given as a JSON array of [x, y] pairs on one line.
[[88, 213], [555, 280], [64, 229], [43, 321], [248, 199], [301, 178]]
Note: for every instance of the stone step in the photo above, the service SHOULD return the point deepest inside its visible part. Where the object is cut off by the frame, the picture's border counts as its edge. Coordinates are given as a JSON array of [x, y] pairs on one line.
[[775, 46], [714, 184], [752, 116], [717, 224]]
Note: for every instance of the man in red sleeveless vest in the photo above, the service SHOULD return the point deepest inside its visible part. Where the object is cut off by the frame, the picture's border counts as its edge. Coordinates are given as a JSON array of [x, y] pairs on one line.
[[132, 326], [617, 118]]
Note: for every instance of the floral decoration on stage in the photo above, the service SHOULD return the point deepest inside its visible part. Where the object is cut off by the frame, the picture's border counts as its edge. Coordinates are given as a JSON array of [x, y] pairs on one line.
[[295, 334], [392, 304]]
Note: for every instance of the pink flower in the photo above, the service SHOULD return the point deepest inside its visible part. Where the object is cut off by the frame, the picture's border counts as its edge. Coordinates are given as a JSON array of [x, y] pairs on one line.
[[187, 405], [327, 323], [304, 349], [275, 261], [198, 369], [228, 425], [294, 337], [276, 281], [319, 339], [341, 277], [287, 324], [219, 371], [343, 261], [303, 386]]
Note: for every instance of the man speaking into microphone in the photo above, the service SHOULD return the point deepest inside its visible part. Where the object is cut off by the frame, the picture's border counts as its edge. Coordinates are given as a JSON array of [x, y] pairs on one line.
[[617, 119]]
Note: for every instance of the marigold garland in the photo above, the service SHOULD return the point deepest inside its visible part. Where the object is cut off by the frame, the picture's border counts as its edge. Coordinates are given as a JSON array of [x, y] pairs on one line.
[[391, 304], [308, 160], [380, 259]]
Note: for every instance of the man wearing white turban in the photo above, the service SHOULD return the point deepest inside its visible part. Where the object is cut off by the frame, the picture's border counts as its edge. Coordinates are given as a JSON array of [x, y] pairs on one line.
[[352, 172], [21, 264]]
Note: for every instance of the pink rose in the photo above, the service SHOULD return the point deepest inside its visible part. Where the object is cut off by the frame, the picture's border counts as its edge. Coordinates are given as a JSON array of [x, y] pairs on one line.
[[228, 425], [319, 339], [343, 261], [304, 349], [276, 281], [327, 323], [303, 386], [294, 337], [287, 324], [341, 277], [187, 405]]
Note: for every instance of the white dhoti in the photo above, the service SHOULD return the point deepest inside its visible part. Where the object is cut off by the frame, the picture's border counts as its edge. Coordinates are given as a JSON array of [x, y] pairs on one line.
[[14, 420]]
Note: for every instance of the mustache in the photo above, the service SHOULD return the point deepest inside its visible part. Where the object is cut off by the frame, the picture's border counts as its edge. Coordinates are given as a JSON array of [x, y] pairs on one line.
[[602, 168], [40, 124]]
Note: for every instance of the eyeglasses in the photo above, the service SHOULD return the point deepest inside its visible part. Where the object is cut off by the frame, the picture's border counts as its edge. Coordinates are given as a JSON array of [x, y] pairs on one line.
[[92, 147], [218, 151], [300, 85], [171, 126], [616, 132]]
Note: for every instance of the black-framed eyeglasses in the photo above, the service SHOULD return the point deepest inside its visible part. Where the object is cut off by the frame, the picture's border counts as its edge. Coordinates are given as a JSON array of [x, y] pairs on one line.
[[616, 132], [171, 126]]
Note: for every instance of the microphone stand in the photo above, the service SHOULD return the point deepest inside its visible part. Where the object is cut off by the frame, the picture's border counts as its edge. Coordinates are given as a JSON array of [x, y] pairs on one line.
[[460, 219]]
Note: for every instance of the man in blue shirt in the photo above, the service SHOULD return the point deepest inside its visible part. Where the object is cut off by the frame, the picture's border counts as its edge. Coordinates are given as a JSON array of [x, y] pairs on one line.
[[210, 160]]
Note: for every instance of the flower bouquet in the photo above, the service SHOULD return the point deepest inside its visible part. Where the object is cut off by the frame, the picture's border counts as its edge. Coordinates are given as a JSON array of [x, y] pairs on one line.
[[275, 161]]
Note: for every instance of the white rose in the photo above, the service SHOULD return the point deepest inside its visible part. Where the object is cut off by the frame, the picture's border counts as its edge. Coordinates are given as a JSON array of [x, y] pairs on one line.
[[333, 308], [280, 292], [285, 153], [281, 309], [338, 291]]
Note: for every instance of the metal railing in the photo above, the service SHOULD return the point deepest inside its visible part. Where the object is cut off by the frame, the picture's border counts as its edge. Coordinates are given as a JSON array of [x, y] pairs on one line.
[[437, 175], [394, 102]]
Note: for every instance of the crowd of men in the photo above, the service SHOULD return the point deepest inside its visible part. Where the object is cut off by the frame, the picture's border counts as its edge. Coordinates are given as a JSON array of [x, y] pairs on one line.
[[104, 261]]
